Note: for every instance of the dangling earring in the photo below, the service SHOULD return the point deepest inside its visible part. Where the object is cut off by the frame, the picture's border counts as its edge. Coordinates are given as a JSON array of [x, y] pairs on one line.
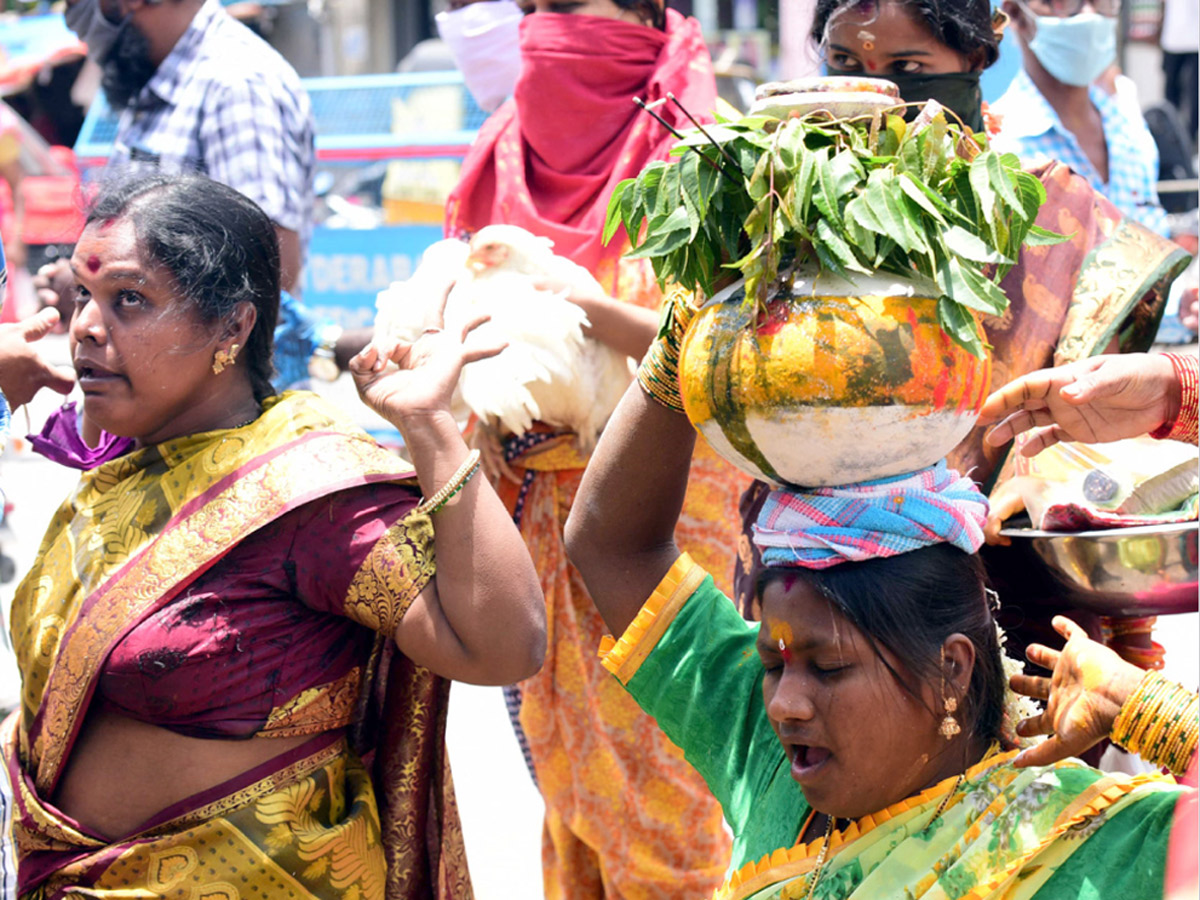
[[224, 358], [949, 726]]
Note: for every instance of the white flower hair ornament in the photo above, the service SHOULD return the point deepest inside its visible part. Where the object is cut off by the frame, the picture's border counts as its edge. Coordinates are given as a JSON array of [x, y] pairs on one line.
[[1016, 706]]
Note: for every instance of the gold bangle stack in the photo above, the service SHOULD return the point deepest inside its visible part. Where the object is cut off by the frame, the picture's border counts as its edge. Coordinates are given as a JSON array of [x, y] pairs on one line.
[[456, 483], [1160, 722], [659, 372]]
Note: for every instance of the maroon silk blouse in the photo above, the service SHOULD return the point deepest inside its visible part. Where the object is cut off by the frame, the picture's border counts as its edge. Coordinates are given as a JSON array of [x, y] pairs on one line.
[[267, 623]]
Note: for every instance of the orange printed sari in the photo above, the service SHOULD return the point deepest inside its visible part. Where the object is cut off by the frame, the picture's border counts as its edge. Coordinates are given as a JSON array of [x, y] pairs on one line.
[[626, 815], [365, 810]]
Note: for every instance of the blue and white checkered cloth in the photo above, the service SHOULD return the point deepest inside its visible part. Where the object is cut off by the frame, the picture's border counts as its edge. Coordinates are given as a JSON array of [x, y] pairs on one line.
[[226, 104], [1031, 129], [815, 528]]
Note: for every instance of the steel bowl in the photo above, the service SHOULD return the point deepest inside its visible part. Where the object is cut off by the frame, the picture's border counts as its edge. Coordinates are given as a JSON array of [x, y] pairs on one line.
[[1145, 570]]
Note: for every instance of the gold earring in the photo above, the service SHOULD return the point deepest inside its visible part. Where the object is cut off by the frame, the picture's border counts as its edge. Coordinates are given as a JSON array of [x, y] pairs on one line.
[[224, 358], [949, 726]]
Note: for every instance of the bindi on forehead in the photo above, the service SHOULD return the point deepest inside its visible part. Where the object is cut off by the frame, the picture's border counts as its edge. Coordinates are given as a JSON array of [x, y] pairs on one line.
[[93, 263], [782, 637]]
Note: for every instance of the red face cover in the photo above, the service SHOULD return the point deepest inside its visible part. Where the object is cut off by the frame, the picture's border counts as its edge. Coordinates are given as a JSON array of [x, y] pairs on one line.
[[550, 157]]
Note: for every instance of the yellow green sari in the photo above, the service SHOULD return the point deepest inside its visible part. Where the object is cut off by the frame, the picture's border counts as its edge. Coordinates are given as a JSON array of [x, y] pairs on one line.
[[364, 811], [1062, 831]]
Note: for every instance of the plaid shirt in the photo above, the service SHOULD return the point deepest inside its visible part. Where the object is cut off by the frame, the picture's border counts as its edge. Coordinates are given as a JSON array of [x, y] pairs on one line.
[[225, 104], [1032, 130]]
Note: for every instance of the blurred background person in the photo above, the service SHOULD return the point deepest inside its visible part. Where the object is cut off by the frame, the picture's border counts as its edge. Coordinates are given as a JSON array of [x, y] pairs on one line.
[[1180, 43], [483, 37], [199, 92], [1053, 111]]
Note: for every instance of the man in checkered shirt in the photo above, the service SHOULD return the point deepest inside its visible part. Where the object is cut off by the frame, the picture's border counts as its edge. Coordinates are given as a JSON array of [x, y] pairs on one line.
[[198, 91]]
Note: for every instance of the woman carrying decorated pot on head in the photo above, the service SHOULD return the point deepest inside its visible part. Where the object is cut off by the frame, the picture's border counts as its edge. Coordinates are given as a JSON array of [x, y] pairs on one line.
[[626, 816], [860, 738], [1101, 290]]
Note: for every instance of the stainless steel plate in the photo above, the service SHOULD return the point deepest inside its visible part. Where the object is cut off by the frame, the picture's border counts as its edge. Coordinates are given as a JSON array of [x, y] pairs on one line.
[[1145, 570]]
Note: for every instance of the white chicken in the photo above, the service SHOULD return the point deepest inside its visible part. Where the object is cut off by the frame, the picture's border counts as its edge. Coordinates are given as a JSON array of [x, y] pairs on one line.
[[550, 371]]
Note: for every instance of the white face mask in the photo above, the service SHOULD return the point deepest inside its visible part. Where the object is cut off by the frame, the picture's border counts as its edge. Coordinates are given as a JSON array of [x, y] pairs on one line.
[[93, 28], [1075, 50], [484, 40]]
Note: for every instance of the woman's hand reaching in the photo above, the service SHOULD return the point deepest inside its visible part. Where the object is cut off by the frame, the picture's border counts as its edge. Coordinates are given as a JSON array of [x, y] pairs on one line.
[[1084, 694], [411, 381], [1104, 398]]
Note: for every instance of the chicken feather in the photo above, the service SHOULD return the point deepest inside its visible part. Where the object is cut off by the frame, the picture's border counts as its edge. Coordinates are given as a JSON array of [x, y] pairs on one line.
[[550, 370]]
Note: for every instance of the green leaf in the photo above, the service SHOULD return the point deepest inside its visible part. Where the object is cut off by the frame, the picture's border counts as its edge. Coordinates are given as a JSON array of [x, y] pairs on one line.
[[791, 145], [910, 236], [964, 195], [998, 176], [632, 212], [862, 214], [747, 156], [675, 220], [612, 217], [758, 186], [666, 197], [689, 189], [963, 243], [803, 183], [969, 288], [719, 133], [892, 136], [662, 244], [935, 149], [1033, 194], [825, 194], [847, 172], [862, 235], [910, 155], [960, 325], [837, 245], [887, 220], [709, 177], [917, 194], [1037, 236], [981, 186], [829, 260]]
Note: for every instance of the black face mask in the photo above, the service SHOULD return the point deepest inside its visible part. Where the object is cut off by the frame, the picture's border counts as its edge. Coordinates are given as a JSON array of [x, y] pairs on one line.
[[957, 91]]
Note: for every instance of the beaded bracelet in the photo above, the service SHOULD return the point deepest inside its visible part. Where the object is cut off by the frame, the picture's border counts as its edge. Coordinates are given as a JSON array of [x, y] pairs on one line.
[[456, 483], [1160, 722], [658, 374], [1184, 427]]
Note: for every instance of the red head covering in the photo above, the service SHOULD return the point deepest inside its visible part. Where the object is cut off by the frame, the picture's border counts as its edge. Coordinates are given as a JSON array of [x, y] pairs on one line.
[[548, 159]]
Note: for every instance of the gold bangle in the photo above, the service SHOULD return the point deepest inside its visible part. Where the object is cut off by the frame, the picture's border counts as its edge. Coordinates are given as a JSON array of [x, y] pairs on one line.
[[658, 375], [1177, 752], [1160, 722], [457, 482], [1128, 720]]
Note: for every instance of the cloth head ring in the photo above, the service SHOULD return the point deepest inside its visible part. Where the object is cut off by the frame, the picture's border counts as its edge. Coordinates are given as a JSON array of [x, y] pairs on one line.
[[815, 528]]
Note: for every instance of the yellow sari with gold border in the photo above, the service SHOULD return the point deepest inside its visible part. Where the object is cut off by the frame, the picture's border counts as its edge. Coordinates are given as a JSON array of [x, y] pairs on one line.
[[366, 812]]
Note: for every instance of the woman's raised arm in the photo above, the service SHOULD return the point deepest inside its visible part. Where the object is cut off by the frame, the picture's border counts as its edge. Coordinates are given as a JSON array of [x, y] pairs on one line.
[[621, 531], [483, 618]]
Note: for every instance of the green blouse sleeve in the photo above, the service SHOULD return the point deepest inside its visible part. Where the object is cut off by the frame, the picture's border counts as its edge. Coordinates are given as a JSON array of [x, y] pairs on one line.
[[689, 660]]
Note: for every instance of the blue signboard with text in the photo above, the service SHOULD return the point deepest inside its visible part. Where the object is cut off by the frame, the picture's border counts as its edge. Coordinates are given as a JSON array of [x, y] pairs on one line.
[[348, 267]]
